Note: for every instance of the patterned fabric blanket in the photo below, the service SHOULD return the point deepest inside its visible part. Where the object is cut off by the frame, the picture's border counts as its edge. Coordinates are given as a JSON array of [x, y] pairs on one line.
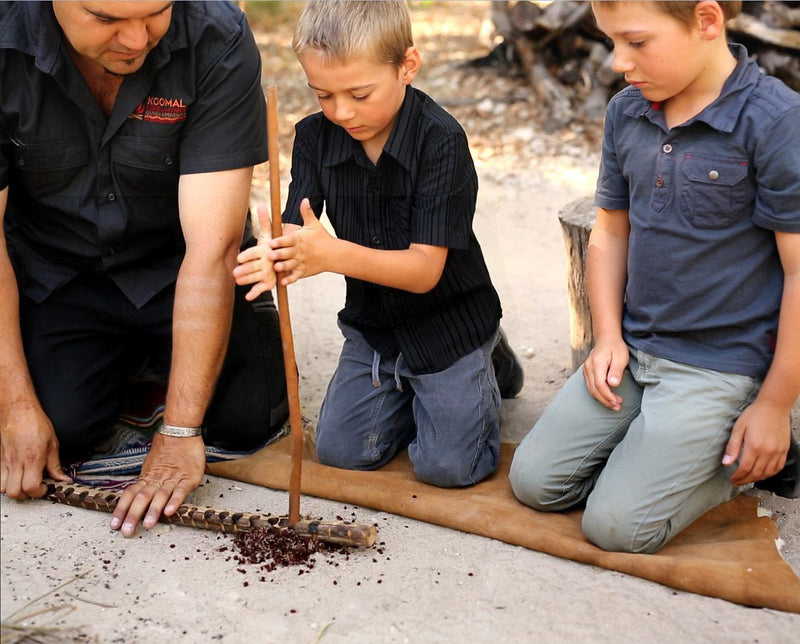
[[118, 461]]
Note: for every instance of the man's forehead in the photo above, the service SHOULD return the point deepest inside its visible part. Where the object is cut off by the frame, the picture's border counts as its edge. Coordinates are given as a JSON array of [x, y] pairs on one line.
[[113, 10]]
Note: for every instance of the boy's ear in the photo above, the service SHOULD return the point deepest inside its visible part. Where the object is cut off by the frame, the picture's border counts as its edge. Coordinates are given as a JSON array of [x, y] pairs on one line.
[[412, 61], [709, 19]]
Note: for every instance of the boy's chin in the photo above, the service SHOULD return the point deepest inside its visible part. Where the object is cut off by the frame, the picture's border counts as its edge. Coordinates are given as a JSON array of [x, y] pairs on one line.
[[655, 96]]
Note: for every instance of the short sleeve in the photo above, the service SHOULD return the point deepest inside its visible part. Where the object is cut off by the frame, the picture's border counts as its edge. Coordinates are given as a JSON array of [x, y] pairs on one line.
[[305, 180], [777, 163], [612, 190], [226, 125], [445, 193]]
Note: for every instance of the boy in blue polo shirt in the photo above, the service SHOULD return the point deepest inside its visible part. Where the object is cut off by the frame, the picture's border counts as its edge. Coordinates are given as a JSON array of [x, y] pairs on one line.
[[394, 173], [694, 284]]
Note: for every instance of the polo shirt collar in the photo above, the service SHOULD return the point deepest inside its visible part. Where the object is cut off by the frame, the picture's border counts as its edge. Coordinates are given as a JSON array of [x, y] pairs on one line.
[[342, 147], [724, 112]]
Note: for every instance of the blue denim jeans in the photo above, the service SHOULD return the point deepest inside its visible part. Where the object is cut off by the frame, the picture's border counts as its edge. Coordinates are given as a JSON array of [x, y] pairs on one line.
[[645, 472], [375, 407]]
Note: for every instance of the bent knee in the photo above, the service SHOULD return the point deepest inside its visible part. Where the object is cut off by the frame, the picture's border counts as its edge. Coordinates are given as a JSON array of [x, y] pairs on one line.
[[534, 486], [442, 476], [337, 454], [454, 472], [616, 530]]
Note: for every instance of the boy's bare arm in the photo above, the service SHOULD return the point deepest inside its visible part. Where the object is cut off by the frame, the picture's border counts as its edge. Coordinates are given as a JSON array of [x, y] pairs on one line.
[[607, 257], [310, 250], [761, 435]]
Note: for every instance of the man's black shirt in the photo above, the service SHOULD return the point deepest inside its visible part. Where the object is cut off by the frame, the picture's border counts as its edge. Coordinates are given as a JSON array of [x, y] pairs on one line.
[[90, 193]]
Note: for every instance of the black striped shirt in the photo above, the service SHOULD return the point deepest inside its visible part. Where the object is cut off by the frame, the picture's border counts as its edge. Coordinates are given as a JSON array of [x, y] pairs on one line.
[[422, 190]]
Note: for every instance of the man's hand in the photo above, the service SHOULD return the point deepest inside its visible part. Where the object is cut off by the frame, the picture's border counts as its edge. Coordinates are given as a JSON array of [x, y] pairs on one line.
[[173, 468], [28, 446], [760, 439], [255, 265], [603, 370]]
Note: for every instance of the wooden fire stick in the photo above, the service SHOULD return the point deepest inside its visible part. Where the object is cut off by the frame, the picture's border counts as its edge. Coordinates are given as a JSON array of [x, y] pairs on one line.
[[287, 342], [197, 516]]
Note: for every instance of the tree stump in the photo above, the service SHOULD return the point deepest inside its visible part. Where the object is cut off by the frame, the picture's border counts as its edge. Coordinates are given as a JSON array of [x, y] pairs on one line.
[[577, 219]]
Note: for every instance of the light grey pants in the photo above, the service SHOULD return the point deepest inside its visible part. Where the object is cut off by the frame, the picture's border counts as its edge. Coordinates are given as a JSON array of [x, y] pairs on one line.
[[646, 471]]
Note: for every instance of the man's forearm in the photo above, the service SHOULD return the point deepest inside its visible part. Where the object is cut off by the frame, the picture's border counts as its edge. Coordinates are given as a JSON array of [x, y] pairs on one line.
[[16, 386], [201, 327]]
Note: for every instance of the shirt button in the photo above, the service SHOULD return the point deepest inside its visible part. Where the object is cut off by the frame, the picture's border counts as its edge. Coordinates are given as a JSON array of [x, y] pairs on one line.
[[667, 148], [21, 162], [111, 197], [659, 182], [168, 161], [376, 240], [112, 251], [713, 175]]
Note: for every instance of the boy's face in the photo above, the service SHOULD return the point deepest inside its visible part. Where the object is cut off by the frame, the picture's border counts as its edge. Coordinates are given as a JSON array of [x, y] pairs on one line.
[[360, 95], [659, 55]]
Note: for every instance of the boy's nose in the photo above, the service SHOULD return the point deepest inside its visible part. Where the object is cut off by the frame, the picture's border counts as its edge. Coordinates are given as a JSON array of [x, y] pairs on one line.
[[621, 64], [343, 112]]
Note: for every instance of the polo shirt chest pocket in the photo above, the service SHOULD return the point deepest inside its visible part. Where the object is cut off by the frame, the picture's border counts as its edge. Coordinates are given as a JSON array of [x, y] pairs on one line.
[[145, 166], [48, 168], [715, 192]]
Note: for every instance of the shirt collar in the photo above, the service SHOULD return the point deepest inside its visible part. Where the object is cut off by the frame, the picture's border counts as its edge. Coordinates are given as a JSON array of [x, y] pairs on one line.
[[400, 146], [342, 147], [724, 112]]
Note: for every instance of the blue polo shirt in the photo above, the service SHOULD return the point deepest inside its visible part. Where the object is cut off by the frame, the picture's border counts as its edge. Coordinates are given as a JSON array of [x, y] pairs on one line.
[[90, 193], [422, 190], [704, 200]]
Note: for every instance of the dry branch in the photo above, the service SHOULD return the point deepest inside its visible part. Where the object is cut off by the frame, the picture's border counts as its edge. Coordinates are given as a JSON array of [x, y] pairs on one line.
[[196, 516]]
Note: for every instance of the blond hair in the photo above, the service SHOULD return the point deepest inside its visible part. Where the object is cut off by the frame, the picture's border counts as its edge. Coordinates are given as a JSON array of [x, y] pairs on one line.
[[345, 29]]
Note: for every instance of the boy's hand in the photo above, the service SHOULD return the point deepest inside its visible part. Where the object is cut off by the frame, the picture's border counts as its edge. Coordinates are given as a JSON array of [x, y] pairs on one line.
[[760, 439], [305, 252], [255, 265], [603, 370]]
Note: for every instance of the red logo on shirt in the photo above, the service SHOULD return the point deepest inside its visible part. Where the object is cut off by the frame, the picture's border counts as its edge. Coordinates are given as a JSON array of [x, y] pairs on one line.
[[160, 110]]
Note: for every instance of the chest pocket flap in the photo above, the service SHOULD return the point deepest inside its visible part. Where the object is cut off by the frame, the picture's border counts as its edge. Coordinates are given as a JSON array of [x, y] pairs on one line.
[[48, 167], [145, 165], [715, 192]]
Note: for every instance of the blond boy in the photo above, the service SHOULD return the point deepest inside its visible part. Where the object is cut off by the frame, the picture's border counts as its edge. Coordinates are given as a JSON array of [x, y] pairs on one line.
[[395, 176]]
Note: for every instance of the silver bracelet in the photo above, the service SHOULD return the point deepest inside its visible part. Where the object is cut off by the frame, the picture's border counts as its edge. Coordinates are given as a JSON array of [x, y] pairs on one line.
[[179, 432]]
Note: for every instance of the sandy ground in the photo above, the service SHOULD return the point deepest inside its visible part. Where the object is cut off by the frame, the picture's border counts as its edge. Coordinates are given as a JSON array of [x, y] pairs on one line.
[[65, 569]]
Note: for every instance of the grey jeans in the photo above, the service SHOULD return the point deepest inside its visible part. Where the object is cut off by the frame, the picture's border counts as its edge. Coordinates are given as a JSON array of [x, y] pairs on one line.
[[448, 420], [645, 472]]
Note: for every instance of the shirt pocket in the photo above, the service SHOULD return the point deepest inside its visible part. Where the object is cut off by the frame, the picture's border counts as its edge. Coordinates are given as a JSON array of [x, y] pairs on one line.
[[46, 168], [715, 192], [145, 173], [145, 166]]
